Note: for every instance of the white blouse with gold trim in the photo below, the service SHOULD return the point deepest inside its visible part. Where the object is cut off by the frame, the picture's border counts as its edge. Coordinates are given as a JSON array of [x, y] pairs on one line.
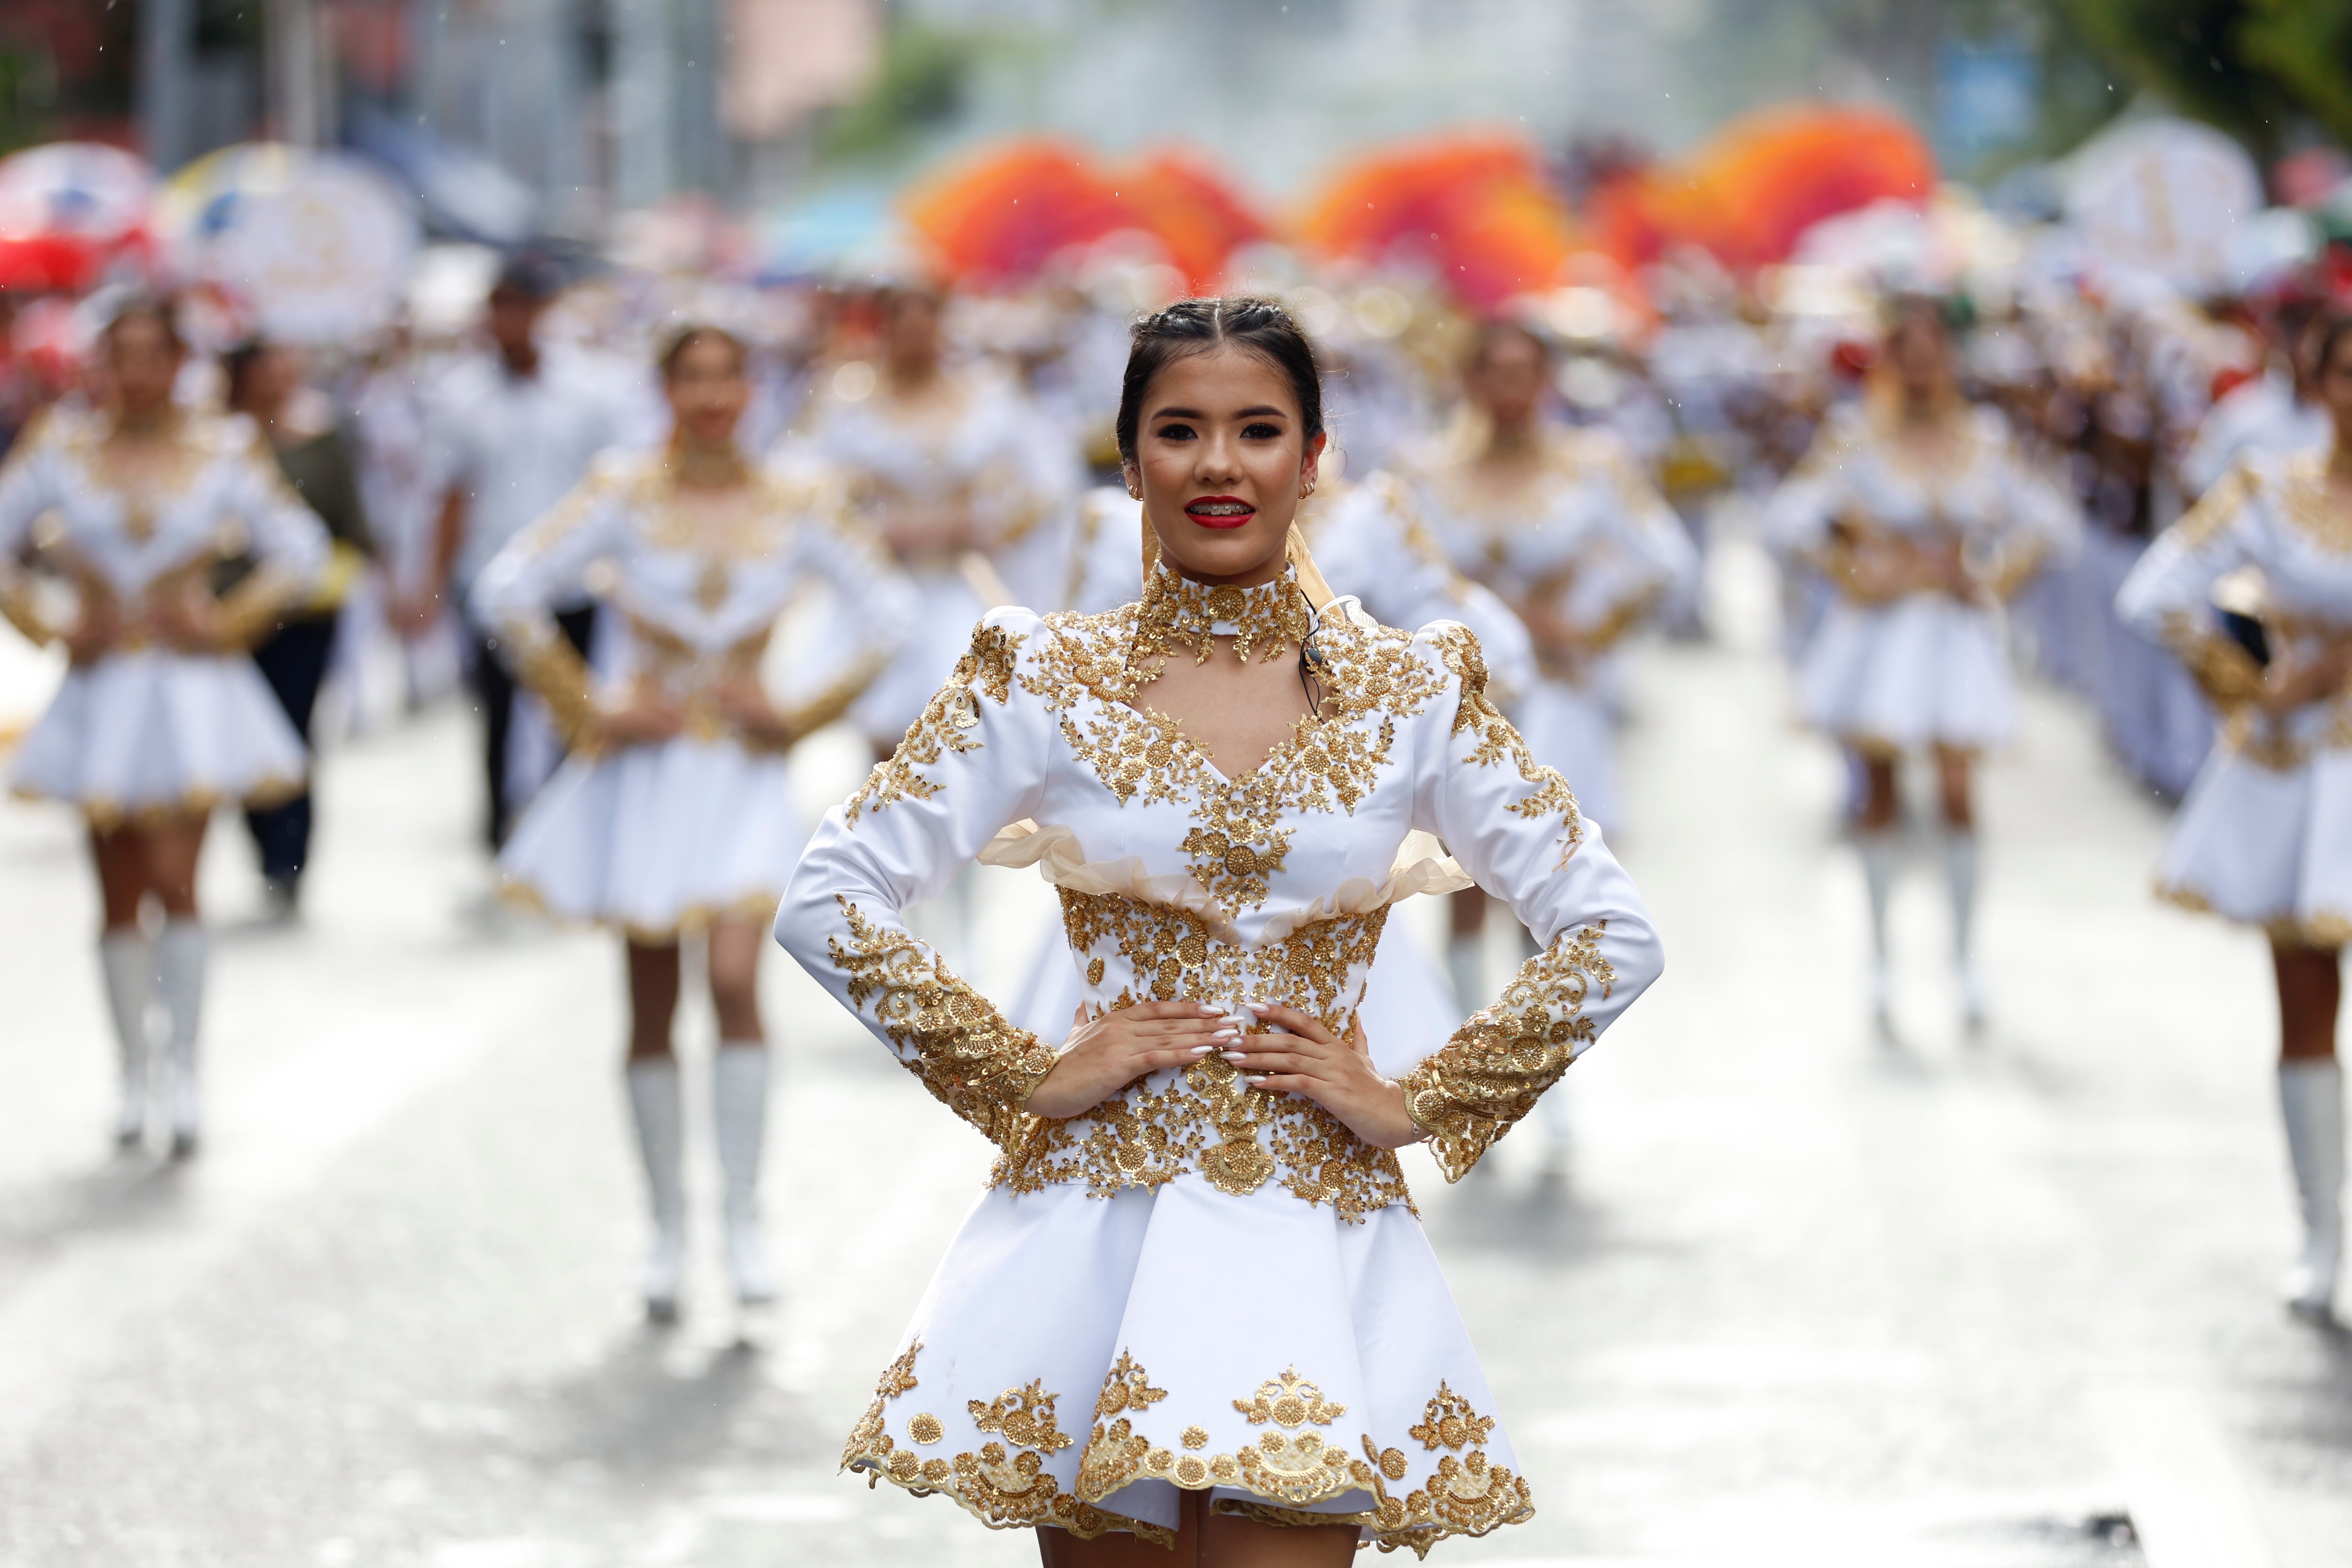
[[1063, 1368], [146, 730]]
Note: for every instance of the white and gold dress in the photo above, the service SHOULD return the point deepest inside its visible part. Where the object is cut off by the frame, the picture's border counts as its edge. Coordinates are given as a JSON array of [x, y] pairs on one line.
[[2265, 836], [1590, 535], [653, 838], [145, 730], [1921, 669], [1197, 1285], [973, 438]]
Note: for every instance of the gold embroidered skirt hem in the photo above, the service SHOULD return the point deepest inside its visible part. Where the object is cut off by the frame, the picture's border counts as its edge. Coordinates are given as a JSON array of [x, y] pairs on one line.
[[1297, 1368]]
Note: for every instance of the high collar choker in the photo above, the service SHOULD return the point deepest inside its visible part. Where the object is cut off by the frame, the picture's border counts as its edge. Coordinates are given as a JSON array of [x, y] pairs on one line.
[[1179, 612]]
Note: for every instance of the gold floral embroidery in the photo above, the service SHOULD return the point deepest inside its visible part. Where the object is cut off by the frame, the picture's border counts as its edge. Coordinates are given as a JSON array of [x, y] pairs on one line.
[[1289, 1401], [1179, 612], [1372, 677], [1127, 1386], [1498, 738], [1024, 1414], [1450, 1422], [1293, 1470], [1465, 1495], [1004, 1488], [2302, 496], [1470, 1092], [1193, 1438], [967, 1055], [943, 725], [896, 1379], [1206, 1119]]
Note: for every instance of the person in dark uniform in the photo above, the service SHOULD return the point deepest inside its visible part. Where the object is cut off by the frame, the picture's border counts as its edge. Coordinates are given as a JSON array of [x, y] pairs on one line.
[[303, 430]]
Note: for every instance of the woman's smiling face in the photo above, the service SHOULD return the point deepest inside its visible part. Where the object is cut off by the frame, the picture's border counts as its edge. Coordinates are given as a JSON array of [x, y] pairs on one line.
[[1221, 459]]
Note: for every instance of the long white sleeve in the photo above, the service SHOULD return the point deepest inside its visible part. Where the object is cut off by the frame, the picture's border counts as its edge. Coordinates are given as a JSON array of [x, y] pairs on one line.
[[2168, 595], [1513, 826], [974, 762]]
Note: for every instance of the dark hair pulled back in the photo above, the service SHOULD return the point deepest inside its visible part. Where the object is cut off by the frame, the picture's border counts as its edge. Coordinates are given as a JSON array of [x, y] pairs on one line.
[[1191, 327]]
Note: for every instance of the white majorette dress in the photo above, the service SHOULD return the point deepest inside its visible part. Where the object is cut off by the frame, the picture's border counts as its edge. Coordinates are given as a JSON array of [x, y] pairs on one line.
[[1197, 1285], [1922, 669], [144, 730], [655, 839], [970, 437], [2265, 834], [1589, 534]]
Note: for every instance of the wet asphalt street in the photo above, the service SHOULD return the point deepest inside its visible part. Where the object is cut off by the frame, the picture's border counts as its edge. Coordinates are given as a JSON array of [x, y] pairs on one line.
[[1802, 1296]]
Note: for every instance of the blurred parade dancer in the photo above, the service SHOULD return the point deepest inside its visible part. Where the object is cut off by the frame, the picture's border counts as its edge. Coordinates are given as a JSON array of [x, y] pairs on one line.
[[514, 432], [1563, 527], [162, 715], [2279, 410], [265, 385], [1226, 857], [2265, 835], [1924, 515], [675, 813], [947, 467]]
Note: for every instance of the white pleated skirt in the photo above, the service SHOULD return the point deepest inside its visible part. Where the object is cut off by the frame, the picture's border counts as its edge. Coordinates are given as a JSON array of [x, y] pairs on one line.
[[1923, 671], [1077, 1361], [657, 839], [2268, 846], [153, 733]]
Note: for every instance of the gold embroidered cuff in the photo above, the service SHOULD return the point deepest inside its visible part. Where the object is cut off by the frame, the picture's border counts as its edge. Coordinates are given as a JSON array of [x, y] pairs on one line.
[[968, 1054], [253, 609], [19, 609], [2224, 671], [1469, 1094], [545, 660]]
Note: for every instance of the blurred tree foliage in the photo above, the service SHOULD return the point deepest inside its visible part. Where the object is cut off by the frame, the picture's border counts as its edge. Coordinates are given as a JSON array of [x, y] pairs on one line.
[[2256, 67], [919, 84]]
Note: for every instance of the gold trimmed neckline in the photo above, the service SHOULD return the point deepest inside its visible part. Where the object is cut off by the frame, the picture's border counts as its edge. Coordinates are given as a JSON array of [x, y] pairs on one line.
[[1177, 612]]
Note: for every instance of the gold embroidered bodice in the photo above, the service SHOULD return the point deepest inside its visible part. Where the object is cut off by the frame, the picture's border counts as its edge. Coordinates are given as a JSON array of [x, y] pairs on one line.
[[1177, 881]]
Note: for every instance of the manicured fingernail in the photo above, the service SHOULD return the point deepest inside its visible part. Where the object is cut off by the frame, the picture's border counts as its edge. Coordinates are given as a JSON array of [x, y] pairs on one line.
[[1257, 1006], [1206, 1011], [1227, 1034], [1257, 1083], [1202, 1050]]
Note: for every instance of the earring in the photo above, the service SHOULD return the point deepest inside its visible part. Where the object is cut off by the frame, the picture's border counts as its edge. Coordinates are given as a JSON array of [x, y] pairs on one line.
[[1306, 489], [1134, 492]]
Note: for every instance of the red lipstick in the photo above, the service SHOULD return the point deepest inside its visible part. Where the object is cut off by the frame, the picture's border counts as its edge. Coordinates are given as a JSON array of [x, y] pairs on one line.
[[1220, 512]]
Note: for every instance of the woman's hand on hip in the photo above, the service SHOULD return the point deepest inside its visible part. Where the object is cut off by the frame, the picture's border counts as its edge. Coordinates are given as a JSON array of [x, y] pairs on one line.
[[1108, 1051], [1336, 1074]]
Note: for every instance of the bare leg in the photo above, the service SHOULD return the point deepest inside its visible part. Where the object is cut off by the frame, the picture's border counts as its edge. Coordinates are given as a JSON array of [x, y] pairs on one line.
[[2310, 987], [653, 998], [1954, 770], [2311, 1105], [733, 954], [174, 848], [1229, 1540], [120, 855]]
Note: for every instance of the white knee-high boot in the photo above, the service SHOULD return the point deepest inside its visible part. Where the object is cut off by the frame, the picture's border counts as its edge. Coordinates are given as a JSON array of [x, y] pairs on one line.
[[1960, 877], [738, 1123], [654, 1105], [127, 959], [1877, 850], [180, 954], [2311, 1102]]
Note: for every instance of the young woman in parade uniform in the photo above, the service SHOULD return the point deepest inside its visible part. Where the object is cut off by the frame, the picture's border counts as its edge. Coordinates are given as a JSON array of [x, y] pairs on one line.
[[675, 813], [1925, 515], [2265, 834], [1194, 1307], [163, 716]]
